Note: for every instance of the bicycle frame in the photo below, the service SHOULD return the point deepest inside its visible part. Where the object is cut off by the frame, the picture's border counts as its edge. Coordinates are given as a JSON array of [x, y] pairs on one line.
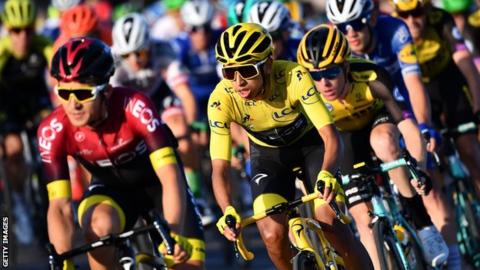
[[298, 226], [385, 208]]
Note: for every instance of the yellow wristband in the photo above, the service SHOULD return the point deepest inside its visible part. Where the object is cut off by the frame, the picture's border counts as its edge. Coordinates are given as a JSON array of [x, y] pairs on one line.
[[162, 157], [59, 189]]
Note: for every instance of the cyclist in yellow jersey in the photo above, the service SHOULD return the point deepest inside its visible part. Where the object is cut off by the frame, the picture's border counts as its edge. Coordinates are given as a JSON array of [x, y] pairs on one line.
[[24, 99], [358, 95], [449, 74], [288, 126]]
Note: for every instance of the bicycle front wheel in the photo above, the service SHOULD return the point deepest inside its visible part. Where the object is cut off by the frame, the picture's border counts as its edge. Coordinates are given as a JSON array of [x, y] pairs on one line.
[[305, 260], [388, 253]]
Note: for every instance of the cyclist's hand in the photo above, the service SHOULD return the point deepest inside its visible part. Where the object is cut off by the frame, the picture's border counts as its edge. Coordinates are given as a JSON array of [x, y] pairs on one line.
[[68, 265], [425, 186], [223, 227], [431, 137], [328, 186], [182, 250]]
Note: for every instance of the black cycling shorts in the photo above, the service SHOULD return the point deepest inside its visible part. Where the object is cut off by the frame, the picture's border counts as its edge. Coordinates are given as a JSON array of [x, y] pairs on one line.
[[272, 168], [449, 99], [357, 149], [135, 202]]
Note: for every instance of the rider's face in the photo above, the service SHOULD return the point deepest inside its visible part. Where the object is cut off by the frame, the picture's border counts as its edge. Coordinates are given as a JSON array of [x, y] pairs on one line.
[[21, 39], [358, 40], [332, 84], [81, 113], [416, 21], [137, 60], [252, 87]]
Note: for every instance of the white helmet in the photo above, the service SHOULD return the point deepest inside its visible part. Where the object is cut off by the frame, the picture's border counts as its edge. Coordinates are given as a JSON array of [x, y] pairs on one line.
[[64, 4], [197, 12], [341, 11], [130, 33], [272, 15]]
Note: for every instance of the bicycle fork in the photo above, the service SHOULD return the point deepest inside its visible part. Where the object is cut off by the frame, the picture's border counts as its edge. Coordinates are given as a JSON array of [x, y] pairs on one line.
[[326, 258]]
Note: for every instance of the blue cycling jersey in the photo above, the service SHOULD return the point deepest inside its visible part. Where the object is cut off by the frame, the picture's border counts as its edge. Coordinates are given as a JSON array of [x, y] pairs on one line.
[[202, 67], [395, 51]]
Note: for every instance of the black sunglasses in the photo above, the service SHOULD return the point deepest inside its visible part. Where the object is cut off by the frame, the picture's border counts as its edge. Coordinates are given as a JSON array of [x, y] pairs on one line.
[[356, 25], [415, 13], [18, 30], [328, 73], [247, 71], [198, 28]]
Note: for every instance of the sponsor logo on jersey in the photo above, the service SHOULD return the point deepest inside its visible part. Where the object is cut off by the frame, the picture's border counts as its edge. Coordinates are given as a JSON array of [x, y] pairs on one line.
[[311, 96], [48, 134], [79, 136], [246, 118], [299, 75], [407, 54], [140, 111], [250, 102], [329, 107], [124, 157], [279, 115], [217, 124], [216, 105]]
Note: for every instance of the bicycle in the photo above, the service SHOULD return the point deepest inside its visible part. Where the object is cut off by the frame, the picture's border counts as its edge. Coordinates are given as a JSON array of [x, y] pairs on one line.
[[308, 256], [130, 259], [398, 245], [464, 199]]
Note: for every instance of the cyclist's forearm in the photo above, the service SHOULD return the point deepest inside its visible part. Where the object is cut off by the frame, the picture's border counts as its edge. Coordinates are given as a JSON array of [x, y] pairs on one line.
[[464, 61], [173, 194], [418, 98], [188, 101], [413, 140], [60, 227], [221, 183], [333, 148]]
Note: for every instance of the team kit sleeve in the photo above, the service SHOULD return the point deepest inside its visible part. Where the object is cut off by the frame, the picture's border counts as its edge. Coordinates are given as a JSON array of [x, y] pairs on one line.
[[144, 118], [51, 146], [404, 48], [305, 93], [219, 120]]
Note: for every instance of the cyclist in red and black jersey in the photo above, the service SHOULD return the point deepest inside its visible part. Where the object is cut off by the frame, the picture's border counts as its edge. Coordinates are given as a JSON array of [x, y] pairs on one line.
[[117, 135]]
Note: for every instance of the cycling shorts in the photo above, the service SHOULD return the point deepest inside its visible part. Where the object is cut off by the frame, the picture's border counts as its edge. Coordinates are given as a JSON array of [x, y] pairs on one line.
[[449, 98], [357, 149], [135, 202], [272, 168]]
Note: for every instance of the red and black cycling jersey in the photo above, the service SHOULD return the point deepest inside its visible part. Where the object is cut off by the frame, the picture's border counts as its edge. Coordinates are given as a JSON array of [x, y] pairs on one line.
[[116, 152]]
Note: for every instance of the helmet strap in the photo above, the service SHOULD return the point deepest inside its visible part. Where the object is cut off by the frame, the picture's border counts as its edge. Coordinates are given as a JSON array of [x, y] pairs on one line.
[[104, 109]]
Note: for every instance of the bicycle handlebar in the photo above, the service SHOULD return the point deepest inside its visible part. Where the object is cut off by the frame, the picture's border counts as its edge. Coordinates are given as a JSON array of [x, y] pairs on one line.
[[157, 224], [239, 245]]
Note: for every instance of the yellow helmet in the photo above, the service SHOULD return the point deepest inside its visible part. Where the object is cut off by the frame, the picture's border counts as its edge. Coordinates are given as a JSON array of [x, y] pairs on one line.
[[18, 13], [321, 46], [243, 43], [407, 5]]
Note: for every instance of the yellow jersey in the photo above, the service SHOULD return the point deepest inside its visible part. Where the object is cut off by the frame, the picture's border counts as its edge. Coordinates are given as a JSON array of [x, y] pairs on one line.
[[359, 107], [289, 108]]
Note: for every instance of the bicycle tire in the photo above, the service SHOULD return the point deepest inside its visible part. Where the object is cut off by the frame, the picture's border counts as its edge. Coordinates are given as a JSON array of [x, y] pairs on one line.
[[305, 260], [388, 254]]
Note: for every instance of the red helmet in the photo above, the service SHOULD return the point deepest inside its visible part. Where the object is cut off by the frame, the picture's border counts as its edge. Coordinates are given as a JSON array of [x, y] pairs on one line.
[[84, 60], [79, 20]]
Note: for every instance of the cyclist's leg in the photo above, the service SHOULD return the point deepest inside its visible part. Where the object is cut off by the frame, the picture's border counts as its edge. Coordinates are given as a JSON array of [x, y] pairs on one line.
[[273, 182], [357, 149], [385, 142], [469, 151], [101, 213], [340, 235], [16, 168]]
